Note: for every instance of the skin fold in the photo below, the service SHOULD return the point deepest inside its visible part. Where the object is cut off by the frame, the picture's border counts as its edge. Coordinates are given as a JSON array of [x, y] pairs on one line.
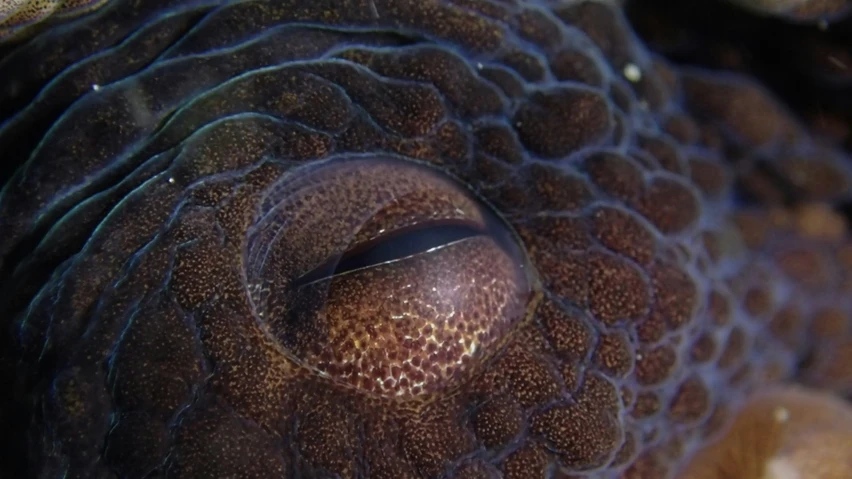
[[807, 64], [407, 239]]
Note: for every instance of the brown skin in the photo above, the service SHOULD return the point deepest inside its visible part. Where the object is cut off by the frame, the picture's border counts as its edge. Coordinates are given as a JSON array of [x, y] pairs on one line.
[[22, 18], [595, 299]]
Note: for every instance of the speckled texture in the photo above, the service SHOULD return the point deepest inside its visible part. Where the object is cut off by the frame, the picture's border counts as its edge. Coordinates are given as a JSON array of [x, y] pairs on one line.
[[622, 250], [17, 16], [808, 64]]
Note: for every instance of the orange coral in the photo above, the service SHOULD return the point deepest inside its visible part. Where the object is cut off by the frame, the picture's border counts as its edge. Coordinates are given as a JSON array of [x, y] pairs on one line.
[[430, 238]]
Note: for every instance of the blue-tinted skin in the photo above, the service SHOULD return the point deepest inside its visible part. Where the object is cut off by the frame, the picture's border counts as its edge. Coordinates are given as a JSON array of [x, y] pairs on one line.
[[147, 137]]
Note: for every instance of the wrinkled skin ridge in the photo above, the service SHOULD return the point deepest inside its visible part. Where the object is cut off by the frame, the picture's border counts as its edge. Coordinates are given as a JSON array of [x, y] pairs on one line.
[[648, 239]]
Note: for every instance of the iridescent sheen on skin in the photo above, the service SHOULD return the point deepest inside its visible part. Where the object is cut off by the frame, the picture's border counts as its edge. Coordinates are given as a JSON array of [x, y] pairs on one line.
[[183, 252]]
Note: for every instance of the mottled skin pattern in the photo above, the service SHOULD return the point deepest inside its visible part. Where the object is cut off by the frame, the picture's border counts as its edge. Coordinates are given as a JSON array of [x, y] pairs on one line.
[[652, 257], [18, 18], [808, 64]]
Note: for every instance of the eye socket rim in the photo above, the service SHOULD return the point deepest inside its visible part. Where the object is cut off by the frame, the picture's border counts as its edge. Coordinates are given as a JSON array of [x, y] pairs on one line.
[[517, 285]]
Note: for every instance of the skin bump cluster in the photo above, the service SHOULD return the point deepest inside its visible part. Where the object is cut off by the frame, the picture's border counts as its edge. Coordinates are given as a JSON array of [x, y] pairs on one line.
[[454, 239]]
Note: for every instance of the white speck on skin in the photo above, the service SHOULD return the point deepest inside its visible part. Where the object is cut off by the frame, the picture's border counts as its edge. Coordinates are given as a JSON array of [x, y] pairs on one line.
[[171, 181], [632, 72], [96, 87], [780, 468], [479, 66], [781, 415]]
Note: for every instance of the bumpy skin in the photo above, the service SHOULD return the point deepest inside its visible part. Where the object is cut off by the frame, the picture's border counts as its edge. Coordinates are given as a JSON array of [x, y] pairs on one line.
[[186, 170], [806, 64], [19, 17]]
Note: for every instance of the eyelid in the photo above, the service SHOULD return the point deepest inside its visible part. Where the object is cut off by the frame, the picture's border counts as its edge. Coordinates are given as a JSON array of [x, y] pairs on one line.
[[396, 245], [384, 274], [321, 212]]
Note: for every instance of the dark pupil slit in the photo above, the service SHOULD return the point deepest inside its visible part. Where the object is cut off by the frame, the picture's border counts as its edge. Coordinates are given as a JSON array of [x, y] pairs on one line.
[[393, 246]]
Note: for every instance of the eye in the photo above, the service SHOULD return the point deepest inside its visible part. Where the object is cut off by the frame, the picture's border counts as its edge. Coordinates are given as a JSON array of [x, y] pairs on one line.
[[384, 275], [396, 245]]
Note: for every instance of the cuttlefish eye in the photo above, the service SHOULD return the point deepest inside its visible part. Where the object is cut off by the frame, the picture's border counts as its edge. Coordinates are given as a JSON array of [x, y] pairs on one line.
[[383, 274]]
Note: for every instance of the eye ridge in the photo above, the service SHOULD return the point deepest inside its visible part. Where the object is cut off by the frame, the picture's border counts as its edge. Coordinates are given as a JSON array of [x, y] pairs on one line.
[[385, 275], [394, 246]]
